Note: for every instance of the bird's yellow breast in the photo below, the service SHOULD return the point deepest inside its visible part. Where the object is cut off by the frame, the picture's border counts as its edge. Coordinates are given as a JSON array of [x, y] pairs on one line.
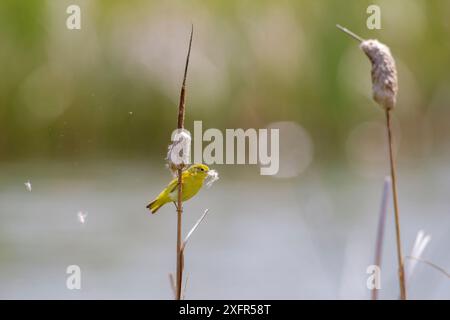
[[192, 183]]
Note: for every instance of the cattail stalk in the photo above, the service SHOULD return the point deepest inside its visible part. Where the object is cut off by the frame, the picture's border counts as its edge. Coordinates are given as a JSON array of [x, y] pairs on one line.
[[180, 126], [384, 92], [401, 264]]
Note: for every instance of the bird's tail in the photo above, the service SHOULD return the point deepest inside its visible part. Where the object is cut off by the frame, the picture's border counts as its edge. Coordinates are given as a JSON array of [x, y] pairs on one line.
[[155, 205]]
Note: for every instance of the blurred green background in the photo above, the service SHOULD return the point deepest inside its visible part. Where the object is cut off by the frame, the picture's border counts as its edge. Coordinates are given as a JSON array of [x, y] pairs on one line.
[[111, 88], [86, 117]]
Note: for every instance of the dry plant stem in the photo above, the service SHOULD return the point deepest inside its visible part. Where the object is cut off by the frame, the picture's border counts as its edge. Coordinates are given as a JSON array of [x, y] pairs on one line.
[[431, 264], [401, 268], [179, 230], [350, 33], [181, 112], [193, 229], [380, 231]]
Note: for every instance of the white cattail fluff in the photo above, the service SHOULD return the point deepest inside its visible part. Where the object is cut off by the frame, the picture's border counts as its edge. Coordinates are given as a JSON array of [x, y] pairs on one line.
[[82, 216], [179, 151], [28, 185], [384, 73]]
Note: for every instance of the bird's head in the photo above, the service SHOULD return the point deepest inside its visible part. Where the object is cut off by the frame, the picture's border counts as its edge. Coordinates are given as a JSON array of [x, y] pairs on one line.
[[199, 170]]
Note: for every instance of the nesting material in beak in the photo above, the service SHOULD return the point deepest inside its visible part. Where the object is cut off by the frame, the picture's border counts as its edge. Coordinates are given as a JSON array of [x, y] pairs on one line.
[[212, 176]]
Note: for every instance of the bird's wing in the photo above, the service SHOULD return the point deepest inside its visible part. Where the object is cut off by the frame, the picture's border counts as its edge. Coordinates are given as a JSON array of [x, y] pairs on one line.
[[172, 186]]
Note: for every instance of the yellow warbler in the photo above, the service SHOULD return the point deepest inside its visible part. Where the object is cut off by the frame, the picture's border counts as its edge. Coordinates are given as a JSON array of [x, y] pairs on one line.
[[192, 178]]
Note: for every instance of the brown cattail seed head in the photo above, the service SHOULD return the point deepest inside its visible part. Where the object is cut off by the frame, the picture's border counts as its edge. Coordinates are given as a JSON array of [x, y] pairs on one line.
[[384, 73]]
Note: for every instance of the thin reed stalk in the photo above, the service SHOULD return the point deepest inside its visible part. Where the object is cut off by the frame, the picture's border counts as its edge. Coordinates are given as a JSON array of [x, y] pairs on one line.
[[381, 228], [181, 113], [401, 265]]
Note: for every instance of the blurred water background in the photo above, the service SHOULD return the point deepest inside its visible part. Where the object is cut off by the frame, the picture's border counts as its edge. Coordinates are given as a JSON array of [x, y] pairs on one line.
[[86, 117]]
